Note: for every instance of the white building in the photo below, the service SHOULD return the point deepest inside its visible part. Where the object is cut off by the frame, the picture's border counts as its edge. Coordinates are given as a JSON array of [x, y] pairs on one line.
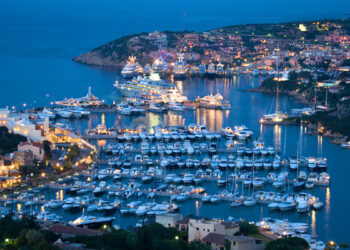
[[198, 229], [168, 220], [4, 115], [158, 39], [21, 124]]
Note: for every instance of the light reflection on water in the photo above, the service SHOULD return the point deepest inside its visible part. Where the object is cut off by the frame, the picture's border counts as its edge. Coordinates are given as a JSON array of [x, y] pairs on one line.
[[313, 222], [277, 137], [211, 118], [174, 119], [101, 143], [197, 208], [319, 145]]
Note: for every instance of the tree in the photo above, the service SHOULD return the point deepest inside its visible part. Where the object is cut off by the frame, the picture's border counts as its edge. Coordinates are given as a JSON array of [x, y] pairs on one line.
[[144, 238], [227, 244], [9, 142], [27, 170], [73, 153], [292, 243], [47, 150], [33, 236], [292, 76], [246, 228]]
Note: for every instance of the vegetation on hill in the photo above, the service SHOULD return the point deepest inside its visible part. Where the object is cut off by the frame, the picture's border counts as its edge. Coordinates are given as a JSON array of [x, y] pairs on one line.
[[153, 236], [246, 228], [9, 141], [293, 243], [24, 234]]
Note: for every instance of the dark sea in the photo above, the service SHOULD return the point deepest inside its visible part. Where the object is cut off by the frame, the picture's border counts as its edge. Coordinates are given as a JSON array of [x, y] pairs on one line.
[[39, 38]]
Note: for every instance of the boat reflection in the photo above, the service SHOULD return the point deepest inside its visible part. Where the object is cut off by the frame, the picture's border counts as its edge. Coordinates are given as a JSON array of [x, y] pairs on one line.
[[313, 223], [197, 208], [319, 144], [174, 119], [211, 118], [152, 120], [277, 137]]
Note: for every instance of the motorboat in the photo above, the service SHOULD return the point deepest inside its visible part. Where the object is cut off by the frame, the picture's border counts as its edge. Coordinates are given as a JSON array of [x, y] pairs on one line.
[[91, 221], [250, 201]]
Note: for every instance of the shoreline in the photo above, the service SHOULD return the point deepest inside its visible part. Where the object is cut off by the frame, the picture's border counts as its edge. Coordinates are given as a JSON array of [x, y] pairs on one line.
[[313, 128]]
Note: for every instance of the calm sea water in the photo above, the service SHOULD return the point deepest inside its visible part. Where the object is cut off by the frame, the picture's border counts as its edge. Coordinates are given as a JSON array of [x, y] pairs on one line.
[[39, 38]]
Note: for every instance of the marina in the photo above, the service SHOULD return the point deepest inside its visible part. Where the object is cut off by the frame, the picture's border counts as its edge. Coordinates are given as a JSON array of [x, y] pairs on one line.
[[202, 118], [187, 165]]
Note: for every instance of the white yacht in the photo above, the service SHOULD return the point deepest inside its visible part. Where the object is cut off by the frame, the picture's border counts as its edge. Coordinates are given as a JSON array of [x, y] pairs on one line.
[[131, 68], [202, 69], [346, 145], [91, 221], [180, 68], [220, 69], [211, 71], [46, 113], [176, 106], [124, 109], [146, 85], [213, 102], [88, 100], [159, 66]]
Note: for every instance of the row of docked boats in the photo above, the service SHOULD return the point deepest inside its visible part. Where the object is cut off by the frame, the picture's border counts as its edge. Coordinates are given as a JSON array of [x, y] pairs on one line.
[[285, 228], [66, 112], [182, 133]]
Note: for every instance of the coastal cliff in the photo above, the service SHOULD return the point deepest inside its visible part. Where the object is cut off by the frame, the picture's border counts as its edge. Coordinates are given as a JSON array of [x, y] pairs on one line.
[[116, 52], [144, 46]]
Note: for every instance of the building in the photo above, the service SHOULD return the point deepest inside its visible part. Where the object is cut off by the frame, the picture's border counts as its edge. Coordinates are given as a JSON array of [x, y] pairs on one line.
[[4, 115], [182, 225], [63, 136], [70, 231], [219, 242], [158, 39], [168, 220], [215, 241], [231, 228], [245, 243], [199, 228], [37, 149], [23, 158], [23, 126]]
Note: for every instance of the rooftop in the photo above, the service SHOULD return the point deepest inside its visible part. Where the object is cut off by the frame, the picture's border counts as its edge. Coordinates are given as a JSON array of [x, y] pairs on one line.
[[218, 239], [62, 229]]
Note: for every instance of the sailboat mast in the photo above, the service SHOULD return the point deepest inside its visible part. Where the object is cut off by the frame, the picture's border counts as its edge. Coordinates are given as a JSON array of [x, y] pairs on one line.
[[277, 89], [315, 83], [315, 91]]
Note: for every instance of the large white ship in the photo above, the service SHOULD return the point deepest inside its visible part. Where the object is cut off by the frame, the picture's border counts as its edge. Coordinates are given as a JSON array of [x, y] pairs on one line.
[[132, 68], [88, 100], [180, 68], [150, 85]]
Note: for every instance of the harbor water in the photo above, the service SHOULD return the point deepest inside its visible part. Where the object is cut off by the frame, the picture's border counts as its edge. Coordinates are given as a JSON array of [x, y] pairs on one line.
[[36, 68]]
